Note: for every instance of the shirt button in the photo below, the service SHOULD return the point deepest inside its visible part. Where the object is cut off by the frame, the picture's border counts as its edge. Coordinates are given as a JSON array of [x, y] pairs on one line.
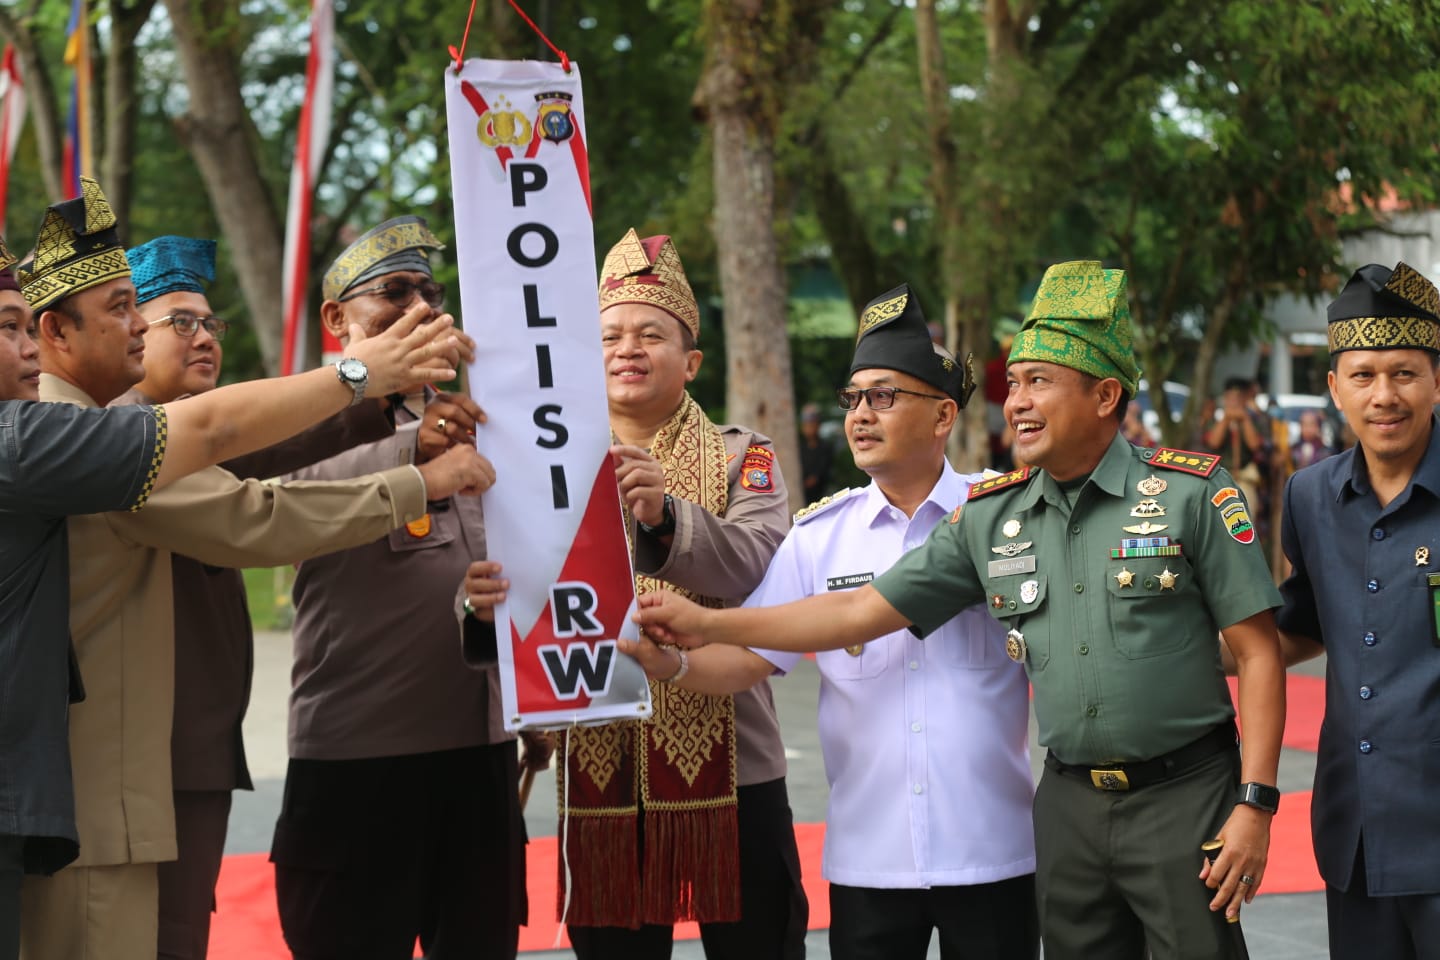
[[1366, 693], [915, 727], [1365, 746], [918, 789], [914, 664], [1369, 639], [1373, 586], [1075, 528], [1079, 588], [1091, 711], [1084, 649], [1378, 534]]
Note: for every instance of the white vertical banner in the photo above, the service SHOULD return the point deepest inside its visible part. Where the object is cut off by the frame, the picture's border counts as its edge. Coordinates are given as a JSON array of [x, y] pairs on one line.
[[526, 249]]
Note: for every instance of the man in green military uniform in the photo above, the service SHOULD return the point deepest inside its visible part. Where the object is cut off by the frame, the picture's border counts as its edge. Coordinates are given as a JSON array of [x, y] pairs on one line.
[[1113, 567]]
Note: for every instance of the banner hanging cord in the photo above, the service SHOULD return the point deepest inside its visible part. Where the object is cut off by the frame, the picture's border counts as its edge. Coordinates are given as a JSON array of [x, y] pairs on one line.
[[459, 55]]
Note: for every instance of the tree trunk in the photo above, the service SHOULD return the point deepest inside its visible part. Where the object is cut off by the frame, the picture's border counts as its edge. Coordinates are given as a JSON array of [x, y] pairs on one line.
[[753, 49], [41, 102], [217, 130], [121, 108]]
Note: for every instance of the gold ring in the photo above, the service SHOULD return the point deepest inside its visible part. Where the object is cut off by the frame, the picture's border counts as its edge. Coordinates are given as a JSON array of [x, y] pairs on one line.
[[440, 424]]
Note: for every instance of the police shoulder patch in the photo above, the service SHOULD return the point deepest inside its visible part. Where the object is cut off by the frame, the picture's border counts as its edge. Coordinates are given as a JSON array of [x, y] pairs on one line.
[[809, 512], [1002, 482], [1186, 461]]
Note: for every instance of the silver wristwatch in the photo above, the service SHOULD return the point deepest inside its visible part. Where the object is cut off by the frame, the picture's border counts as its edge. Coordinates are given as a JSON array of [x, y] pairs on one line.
[[355, 375]]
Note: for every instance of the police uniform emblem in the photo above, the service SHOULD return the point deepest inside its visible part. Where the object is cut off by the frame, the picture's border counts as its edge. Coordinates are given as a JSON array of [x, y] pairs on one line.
[[757, 468], [554, 119], [1029, 590], [419, 529], [1015, 646], [1422, 556]]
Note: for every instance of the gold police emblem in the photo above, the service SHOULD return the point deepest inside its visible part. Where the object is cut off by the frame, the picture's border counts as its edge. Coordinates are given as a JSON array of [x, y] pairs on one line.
[[1422, 556]]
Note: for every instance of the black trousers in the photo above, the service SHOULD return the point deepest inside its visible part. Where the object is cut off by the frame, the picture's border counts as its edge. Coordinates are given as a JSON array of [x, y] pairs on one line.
[[1363, 927], [12, 873], [774, 912], [187, 883], [984, 921], [371, 854]]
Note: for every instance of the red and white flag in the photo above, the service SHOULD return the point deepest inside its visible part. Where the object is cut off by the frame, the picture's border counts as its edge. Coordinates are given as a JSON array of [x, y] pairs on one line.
[[12, 119], [526, 250], [310, 142]]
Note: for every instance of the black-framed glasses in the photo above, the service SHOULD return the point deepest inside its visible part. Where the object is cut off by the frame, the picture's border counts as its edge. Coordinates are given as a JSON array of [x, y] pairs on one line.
[[185, 324], [401, 292], [879, 398]]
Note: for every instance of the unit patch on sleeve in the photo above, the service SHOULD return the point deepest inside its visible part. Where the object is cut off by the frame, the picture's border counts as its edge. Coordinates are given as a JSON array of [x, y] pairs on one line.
[[1186, 461], [999, 483], [757, 469], [1233, 514]]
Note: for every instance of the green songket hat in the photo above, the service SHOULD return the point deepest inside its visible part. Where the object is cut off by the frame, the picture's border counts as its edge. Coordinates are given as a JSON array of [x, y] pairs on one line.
[[1081, 319]]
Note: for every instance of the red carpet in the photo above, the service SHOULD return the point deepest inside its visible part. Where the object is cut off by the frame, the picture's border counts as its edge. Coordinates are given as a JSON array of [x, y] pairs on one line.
[[246, 928]]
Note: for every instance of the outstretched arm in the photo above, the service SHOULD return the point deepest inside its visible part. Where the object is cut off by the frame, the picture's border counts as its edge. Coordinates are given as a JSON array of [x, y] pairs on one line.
[[243, 417], [824, 622]]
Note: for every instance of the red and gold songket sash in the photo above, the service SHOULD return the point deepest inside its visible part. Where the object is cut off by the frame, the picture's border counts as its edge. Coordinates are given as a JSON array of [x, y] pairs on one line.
[[675, 770]]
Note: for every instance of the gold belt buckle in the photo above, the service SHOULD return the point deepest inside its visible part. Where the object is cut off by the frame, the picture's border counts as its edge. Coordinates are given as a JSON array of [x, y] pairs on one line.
[[1109, 780]]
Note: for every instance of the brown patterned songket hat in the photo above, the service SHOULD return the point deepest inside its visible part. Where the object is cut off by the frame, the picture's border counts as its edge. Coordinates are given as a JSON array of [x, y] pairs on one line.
[[649, 271], [78, 248], [1384, 309]]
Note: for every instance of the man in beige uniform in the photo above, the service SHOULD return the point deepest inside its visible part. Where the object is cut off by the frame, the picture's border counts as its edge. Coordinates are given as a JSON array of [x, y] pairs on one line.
[[121, 613], [691, 803]]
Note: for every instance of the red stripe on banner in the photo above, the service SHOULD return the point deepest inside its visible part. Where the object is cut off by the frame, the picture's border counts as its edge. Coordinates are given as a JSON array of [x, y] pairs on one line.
[[598, 542]]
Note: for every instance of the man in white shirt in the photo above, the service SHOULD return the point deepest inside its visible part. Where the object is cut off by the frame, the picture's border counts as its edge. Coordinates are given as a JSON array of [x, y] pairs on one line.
[[925, 742]]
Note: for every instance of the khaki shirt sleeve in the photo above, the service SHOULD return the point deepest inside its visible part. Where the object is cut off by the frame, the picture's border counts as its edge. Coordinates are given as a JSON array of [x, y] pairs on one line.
[[221, 520], [723, 556]]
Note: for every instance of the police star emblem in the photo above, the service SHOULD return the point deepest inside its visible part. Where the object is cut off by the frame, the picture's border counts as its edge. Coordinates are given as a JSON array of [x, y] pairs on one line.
[[1167, 579]]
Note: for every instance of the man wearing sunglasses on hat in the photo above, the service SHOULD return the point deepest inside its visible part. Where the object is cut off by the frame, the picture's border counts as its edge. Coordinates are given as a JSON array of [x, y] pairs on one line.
[[401, 815]]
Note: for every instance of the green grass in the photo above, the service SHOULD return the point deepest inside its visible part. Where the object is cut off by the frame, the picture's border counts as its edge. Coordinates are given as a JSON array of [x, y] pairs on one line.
[[269, 593]]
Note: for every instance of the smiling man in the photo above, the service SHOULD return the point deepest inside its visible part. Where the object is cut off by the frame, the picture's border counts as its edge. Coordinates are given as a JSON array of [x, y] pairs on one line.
[[1362, 530], [1113, 567]]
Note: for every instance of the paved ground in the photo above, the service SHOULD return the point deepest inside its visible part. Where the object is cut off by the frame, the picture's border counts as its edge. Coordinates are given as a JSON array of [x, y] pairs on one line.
[[1277, 927]]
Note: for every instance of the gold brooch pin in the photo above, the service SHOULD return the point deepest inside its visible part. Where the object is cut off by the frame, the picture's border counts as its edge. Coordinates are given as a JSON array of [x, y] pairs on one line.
[[1145, 528], [1125, 578], [1147, 508], [1167, 579], [1151, 486], [1422, 556], [1011, 528]]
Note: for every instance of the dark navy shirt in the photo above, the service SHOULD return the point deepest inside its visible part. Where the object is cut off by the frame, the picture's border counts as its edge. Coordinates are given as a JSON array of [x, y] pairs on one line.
[[1360, 587], [55, 460]]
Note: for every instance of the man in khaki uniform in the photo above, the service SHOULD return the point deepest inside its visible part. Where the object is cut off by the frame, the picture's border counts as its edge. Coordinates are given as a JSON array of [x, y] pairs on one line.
[[121, 615], [691, 803]]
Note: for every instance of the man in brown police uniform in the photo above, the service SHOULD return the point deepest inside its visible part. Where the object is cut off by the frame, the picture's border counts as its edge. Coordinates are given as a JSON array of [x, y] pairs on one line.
[[401, 816]]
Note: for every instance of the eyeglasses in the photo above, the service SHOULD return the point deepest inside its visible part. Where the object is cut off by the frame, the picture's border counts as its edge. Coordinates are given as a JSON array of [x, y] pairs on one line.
[[879, 398], [185, 324], [401, 292]]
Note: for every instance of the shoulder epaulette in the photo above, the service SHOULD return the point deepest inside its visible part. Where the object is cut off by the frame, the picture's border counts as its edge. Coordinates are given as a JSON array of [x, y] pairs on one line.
[[1186, 461], [999, 483], [811, 511]]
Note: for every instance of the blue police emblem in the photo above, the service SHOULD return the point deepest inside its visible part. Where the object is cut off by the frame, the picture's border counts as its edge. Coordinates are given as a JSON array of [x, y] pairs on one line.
[[554, 119]]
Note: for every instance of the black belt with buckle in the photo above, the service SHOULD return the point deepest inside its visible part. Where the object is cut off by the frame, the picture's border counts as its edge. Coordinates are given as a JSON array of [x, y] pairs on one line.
[[1142, 773]]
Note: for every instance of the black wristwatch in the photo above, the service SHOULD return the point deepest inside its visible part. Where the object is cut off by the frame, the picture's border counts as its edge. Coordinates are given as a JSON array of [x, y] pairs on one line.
[[666, 526], [1259, 796]]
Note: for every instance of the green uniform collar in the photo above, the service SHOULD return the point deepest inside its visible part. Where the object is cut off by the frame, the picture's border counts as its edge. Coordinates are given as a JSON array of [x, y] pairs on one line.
[[1109, 475]]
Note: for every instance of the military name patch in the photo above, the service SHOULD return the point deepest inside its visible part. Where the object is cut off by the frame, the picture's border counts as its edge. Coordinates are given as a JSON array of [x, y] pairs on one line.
[[1010, 567], [757, 470], [848, 580], [1186, 461], [999, 483]]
